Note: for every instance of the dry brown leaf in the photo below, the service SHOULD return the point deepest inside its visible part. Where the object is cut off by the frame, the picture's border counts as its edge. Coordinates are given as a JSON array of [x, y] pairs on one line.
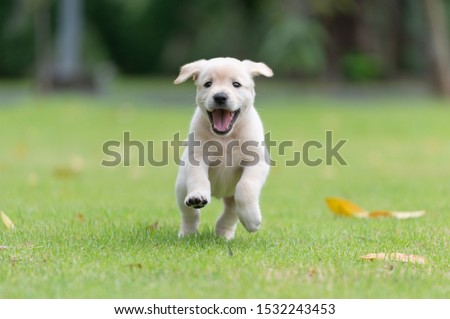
[[395, 257], [74, 167], [6, 221], [343, 207], [152, 227], [80, 217], [64, 172]]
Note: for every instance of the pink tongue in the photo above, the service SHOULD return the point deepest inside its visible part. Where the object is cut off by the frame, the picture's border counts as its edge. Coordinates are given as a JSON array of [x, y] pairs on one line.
[[221, 119]]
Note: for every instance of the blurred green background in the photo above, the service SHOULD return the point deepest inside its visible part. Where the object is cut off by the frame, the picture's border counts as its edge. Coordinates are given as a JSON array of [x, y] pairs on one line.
[[85, 44]]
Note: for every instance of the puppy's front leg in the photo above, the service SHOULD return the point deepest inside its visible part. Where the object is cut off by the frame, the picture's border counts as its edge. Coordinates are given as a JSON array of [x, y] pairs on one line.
[[197, 185], [193, 192], [247, 195]]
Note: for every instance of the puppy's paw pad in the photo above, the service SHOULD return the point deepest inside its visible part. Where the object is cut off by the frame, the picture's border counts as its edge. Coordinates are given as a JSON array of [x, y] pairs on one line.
[[196, 200]]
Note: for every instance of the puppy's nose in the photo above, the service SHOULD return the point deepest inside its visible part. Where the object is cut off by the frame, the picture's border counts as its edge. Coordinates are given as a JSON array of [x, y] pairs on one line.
[[220, 98]]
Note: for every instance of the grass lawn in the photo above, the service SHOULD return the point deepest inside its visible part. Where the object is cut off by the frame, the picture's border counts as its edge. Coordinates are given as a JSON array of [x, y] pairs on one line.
[[88, 231]]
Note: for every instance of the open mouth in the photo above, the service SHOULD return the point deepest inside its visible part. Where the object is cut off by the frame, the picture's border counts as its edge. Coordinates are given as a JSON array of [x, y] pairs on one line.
[[222, 120]]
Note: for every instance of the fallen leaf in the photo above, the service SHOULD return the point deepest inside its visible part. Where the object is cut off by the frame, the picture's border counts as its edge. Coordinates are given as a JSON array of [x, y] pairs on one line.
[[152, 227], [80, 217], [396, 257], [64, 172], [380, 213], [343, 207], [6, 221], [74, 167], [405, 215], [3, 247]]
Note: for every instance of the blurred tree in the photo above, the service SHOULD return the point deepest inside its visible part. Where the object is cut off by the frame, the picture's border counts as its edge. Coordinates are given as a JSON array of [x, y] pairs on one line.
[[373, 39], [157, 36], [73, 64], [16, 38], [42, 31], [355, 40], [68, 65], [339, 20], [295, 44], [440, 46]]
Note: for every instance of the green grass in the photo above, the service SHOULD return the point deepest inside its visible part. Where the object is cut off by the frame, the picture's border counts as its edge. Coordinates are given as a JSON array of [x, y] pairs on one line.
[[82, 229]]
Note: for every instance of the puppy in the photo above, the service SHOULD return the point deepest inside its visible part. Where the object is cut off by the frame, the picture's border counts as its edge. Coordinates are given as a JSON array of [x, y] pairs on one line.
[[219, 161]]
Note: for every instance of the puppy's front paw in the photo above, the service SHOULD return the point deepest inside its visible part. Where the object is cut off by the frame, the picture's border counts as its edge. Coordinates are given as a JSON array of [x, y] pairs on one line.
[[196, 200]]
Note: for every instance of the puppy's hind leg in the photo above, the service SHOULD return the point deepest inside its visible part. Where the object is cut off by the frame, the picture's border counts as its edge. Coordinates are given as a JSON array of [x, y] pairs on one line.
[[226, 223], [190, 217]]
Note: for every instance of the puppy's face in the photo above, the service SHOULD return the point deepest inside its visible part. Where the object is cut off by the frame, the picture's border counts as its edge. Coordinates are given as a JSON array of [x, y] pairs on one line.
[[225, 89]]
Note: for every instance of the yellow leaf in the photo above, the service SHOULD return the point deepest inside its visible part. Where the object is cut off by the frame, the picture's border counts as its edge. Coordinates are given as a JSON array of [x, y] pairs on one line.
[[6, 221], [380, 213], [344, 207], [396, 257]]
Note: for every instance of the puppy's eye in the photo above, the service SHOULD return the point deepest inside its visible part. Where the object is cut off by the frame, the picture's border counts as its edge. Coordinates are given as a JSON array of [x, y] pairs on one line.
[[237, 84], [207, 84]]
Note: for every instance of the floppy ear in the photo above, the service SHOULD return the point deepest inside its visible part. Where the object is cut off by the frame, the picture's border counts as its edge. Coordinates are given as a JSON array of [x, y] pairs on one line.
[[189, 70], [258, 68]]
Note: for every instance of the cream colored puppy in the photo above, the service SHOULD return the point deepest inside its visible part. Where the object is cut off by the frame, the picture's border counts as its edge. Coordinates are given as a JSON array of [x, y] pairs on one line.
[[225, 157]]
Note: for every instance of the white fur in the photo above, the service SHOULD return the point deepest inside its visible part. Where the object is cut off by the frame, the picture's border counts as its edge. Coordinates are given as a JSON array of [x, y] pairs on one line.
[[238, 185]]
